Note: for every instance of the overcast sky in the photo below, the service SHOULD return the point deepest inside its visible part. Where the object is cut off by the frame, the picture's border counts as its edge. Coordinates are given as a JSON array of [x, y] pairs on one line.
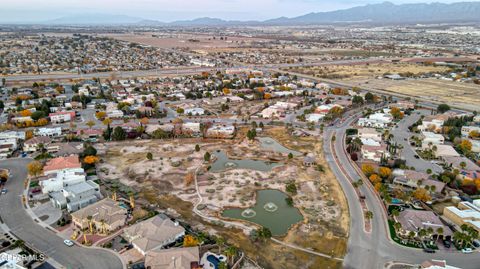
[[170, 10]]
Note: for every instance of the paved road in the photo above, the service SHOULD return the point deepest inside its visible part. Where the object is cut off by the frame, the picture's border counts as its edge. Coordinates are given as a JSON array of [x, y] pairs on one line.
[[375, 249], [182, 70], [21, 224], [401, 136]]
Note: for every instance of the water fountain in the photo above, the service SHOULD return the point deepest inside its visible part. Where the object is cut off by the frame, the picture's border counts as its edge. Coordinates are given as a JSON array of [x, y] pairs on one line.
[[249, 213], [270, 207], [230, 164]]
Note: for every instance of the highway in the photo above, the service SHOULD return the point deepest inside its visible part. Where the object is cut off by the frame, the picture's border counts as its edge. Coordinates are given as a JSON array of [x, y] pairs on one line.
[[181, 70], [375, 249], [24, 227]]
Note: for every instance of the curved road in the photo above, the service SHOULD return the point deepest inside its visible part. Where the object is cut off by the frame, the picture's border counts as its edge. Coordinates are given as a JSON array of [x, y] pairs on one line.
[[21, 224], [375, 249]]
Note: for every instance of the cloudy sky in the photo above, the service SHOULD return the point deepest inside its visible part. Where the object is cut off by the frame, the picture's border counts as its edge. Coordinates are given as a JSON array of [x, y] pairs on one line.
[[170, 10]]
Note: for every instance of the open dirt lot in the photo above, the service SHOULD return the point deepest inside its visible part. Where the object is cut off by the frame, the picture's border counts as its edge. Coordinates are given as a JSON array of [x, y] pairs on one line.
[[450, 92], [369, 71], [191, 41]]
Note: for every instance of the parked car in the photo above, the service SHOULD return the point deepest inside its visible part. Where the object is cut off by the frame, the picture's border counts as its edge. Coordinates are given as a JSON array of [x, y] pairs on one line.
[[467, 250], [67, 242], [4, 191], [447, 243], [429, 250], [416, 157]]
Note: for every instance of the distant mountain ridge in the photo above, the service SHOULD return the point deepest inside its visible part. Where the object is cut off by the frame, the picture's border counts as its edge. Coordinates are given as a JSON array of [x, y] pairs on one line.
[[385, 12]]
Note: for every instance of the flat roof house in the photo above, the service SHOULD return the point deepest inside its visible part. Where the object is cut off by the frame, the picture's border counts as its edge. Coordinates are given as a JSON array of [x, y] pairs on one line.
[[465, 213], [76, 196]]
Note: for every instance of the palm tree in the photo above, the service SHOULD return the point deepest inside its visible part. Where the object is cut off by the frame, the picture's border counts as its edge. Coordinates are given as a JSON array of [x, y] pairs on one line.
[[90, 124], [132, 200], [102, 224], [395, 212], [439, 231], [84, 230], [368, 214], [90, 223], [220, 243], [231, 252], [459, 238], [397, 226]]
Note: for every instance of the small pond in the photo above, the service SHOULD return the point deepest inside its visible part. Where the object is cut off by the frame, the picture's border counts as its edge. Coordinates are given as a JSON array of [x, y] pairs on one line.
[[223, 162], [271, 211], [269, 143]]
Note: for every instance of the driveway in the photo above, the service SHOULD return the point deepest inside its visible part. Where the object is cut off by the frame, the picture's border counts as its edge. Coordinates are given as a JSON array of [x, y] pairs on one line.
[[21, 224]]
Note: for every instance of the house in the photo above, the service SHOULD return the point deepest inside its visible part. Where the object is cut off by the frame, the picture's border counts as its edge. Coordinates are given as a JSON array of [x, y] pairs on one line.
[[61, 163], [475, 145], [221, 131], [19, 135], [376, 120], [309, 160], [414, 179], [90, 134], [445, 151], [153, 233], [374, 153], [191, 127], [437, 264], [369, 133], [430, 138], [63, 149], [61, 117], [46, 131], [195, 111], [464, 213], [76, 196], [34, 143], [61, 178], [271, 112], [106, 214], [173, 258], [467, 129], [461, 163], [114, 113], [7, 147], [414, 220], [314, 117]]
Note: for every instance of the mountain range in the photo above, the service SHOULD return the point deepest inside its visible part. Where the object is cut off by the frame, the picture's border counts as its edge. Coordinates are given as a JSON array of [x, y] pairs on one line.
[[383, 13]]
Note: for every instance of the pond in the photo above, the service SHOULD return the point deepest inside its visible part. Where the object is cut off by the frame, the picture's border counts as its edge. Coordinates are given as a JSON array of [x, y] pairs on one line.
[[271, 211], [269, 143], [223, 162]]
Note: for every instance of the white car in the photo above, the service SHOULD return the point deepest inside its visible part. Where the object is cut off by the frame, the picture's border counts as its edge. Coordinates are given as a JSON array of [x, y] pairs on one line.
[[68, 242], [467, 250]]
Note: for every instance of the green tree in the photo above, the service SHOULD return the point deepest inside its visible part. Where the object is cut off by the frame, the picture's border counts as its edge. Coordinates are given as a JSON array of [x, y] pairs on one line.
[[291, 188], [118, 134], [197, 148], [290, 155], [357, 100], [38, 115], [207, 156], [149, 156], [107, 134], [369, 97], [442, 108]]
